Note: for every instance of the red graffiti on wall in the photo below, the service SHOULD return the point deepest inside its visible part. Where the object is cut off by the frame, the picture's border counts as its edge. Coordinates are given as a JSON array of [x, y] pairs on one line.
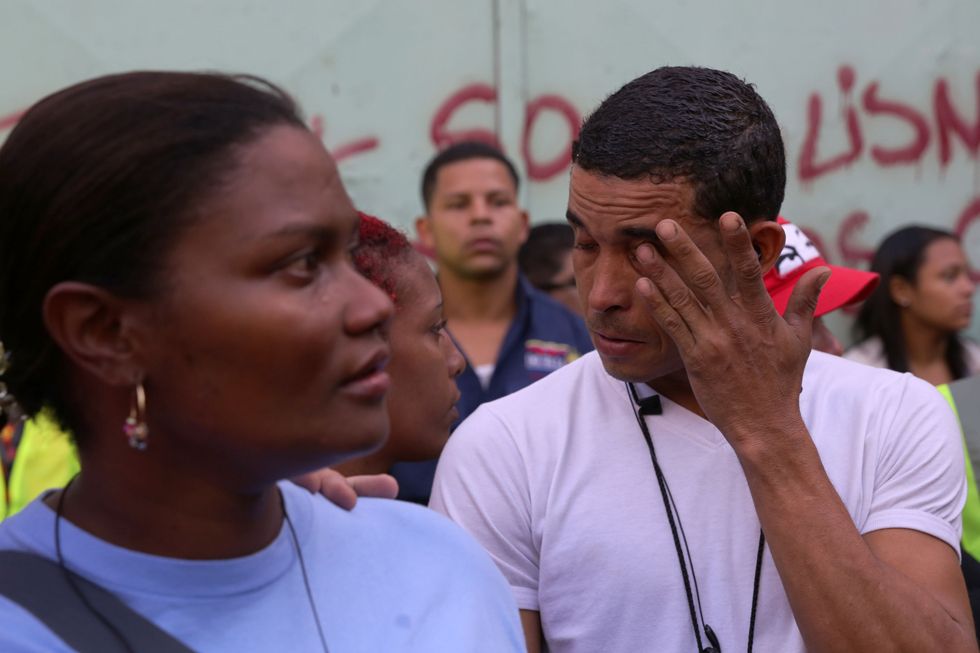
[[809, 167], [347, 150], [969, 215], [8, 121], [856, 253], [439, 129], [558, 104], [916, 147], [537, 170], [850, 249], [948, 123]]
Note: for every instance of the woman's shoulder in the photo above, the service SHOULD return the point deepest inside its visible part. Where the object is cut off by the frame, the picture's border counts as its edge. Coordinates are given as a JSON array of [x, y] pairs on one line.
[[387, 529], [972, 350], [415, 529], [870, 352]]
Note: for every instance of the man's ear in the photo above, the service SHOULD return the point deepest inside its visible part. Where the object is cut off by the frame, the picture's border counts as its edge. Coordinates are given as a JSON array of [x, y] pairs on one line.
[[424, 230], [527, 226], [768, 238], [90, 325]]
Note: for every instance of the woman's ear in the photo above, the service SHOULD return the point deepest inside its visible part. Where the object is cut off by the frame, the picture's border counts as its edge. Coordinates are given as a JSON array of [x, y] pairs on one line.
[[768, 239], [900, 290], [90, 326]]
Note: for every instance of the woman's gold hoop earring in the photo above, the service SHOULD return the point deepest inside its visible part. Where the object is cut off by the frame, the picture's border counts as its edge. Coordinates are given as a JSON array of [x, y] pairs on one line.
[[135, 428]]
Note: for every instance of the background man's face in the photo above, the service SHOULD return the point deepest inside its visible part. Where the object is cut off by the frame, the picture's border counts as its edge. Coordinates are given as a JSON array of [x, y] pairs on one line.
[[474, 223], [611, 218]]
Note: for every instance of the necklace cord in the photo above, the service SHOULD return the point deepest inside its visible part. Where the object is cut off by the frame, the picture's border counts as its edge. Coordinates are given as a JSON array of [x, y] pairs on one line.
[[306, 579], [694, 576], [671, 508], [70, 577], [755, 587], [108, 624], [661, 481]]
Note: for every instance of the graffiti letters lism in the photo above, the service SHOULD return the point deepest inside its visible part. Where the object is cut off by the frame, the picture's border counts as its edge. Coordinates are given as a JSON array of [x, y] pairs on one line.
[[945, 123]]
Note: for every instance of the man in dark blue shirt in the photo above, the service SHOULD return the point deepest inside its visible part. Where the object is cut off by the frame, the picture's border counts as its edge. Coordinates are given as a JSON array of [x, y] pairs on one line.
[[510, 333]]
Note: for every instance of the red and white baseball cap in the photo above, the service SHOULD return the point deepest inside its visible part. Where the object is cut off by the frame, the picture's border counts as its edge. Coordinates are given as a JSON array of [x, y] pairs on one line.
[[845, 286]]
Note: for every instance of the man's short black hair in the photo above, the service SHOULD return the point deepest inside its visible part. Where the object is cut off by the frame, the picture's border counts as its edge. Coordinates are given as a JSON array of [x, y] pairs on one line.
[[463, 151], [701, 126], [543, 253]]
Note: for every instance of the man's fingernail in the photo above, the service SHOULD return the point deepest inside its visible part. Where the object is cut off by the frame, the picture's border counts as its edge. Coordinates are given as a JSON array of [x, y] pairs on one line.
[[667, 230], [644, 253], [823, 280], [731, 223], [644, 285]]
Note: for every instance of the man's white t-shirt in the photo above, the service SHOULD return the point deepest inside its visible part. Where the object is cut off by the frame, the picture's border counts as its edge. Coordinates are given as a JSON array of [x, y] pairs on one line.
[[557, 484]]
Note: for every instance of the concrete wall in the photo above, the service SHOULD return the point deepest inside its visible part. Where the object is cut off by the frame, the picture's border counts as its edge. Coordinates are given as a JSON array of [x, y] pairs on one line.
[[878, 99]]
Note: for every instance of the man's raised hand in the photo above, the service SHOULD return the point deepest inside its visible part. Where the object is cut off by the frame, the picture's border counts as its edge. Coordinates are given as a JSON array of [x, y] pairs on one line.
[[744, 362]]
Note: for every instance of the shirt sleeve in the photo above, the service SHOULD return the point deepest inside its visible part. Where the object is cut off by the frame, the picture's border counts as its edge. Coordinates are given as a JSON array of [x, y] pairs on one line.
[[481, 483], [920, 478]]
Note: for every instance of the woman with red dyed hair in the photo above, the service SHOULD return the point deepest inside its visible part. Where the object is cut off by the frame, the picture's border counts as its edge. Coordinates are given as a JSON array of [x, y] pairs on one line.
[[424, 361]]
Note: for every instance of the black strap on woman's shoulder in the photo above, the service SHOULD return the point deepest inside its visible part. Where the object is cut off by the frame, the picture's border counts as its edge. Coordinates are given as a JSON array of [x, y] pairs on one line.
[[42, 588]]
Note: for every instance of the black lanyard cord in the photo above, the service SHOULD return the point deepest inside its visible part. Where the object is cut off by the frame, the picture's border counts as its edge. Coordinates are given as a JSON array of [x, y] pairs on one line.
[[755, 587], [680, 525], [662, 482], [671, 508]]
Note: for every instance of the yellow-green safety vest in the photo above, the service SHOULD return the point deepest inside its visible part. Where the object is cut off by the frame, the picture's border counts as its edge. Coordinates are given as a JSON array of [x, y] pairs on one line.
[[46, 458], [971, 511]]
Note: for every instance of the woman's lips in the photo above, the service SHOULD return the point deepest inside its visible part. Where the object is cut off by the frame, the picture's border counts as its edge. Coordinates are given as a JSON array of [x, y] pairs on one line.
[[612, 347], [370, 381], [372, 386]]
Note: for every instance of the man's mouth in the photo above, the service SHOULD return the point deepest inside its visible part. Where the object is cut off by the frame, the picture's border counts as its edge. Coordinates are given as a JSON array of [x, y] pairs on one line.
[[613, 345], [483, 245]]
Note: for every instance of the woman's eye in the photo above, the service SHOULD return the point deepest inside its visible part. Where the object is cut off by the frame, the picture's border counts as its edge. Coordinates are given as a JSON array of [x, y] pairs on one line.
[[439, 328], [305, 264], [585, 246]]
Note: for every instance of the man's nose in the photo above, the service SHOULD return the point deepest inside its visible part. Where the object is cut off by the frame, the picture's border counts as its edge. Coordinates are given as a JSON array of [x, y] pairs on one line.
[[480, 210], [612, 284]]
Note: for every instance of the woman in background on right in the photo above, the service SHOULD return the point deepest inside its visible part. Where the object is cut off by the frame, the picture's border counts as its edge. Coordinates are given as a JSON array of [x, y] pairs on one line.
[[912, 321]]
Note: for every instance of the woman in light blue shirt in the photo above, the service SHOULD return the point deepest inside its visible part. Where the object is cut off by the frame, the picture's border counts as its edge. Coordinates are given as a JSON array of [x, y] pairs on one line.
[[176, 286]]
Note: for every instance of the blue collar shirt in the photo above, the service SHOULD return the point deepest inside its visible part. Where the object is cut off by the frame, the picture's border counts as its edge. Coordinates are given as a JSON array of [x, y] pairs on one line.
[[543, 337]]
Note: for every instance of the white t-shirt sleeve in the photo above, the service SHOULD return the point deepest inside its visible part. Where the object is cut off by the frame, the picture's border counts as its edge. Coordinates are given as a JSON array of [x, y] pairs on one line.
[[920, 478], [481, 483]]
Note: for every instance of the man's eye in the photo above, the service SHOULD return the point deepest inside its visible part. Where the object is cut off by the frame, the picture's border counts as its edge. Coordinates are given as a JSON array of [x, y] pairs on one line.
[[585, 246], [438, 328]]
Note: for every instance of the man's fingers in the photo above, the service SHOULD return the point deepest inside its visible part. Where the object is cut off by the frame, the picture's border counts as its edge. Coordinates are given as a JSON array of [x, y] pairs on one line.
[[803, 302], [672, 290], [692, 266], [378, 486], [744, 262], [665, 315]]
